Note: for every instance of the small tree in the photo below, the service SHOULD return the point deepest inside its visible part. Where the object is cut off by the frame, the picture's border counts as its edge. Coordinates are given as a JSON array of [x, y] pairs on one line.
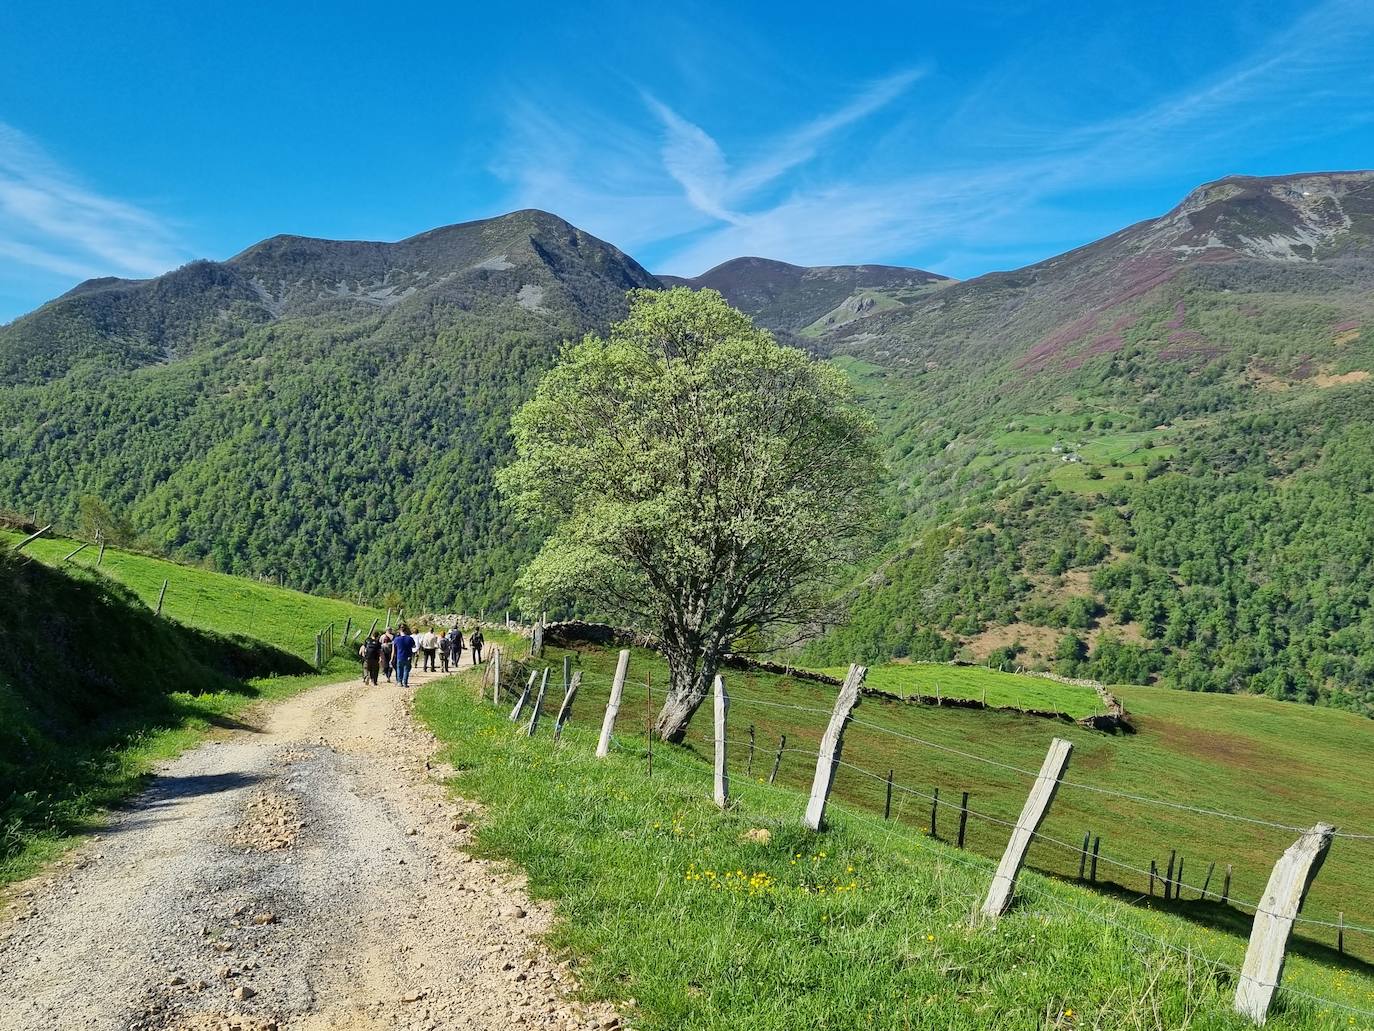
[[699, 481], [94, 517]]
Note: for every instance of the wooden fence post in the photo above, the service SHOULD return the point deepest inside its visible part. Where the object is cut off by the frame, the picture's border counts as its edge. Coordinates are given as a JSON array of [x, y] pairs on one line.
[[101, 557], [72, 554], [622, 666], [348, 630], [934, 806], [749, 765], [887, 806], [721, 789], [32, 537], [538, 704], [537, 639], [1083, 855], [1092, 864], [1278, 908], [496, 676], [1169, 873], [388, 619], [1226, 886], [567, 672], [516, 712], [832, 744], [963, 817], [1340, 932], [565, 710], [1207, 880], [160, 595], [1032, 814], [777, 759]]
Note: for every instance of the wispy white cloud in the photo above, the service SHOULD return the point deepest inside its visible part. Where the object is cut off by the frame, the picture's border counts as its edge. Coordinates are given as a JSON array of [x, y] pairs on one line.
[[695, 160], [50, 221], [694, 202]]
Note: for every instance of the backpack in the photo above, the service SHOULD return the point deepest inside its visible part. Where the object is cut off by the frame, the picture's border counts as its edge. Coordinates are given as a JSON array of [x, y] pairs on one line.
[[372, 651]]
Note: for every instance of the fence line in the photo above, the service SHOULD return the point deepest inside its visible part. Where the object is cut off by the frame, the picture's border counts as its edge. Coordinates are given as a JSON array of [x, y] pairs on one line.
[[1065, 782], [1240, 903], [981, 865]]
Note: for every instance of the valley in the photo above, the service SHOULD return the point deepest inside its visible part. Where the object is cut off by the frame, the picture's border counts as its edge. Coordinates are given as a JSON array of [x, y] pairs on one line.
[[1136, 461]]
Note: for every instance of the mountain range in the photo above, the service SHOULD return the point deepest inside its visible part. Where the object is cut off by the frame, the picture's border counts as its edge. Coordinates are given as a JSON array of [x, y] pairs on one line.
[[1149, 457]]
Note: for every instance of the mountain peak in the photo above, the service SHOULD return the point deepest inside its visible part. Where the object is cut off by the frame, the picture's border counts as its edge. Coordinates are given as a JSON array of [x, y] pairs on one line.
[[1290, 217]]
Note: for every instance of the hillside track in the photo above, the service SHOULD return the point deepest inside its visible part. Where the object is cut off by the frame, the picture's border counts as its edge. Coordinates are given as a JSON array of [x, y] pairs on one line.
[[305, 873]]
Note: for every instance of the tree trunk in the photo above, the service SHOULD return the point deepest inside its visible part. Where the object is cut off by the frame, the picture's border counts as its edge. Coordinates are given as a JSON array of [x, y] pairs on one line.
[[689, 682]]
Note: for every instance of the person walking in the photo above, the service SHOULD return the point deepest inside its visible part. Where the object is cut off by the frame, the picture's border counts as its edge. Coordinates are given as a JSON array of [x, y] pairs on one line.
[[429, 648], [372, 658], [444, 644], [455, 647], [403, 651], [387, 665], [475, 642]]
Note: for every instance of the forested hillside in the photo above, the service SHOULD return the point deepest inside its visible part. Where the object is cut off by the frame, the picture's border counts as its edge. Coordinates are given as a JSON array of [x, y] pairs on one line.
[[1148, 458], [327, 412], [1153, 457]]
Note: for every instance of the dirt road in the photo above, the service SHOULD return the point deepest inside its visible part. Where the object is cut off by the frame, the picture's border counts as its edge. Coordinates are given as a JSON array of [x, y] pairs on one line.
[[307, 873]]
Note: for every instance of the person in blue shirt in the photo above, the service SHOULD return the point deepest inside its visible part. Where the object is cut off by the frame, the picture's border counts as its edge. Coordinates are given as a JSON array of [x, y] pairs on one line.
[[402, 651]]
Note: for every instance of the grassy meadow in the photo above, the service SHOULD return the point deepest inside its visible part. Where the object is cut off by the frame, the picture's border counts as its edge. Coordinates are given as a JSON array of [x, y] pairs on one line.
[[673, 913], [977, 683], [1254, 757], [212, 601]]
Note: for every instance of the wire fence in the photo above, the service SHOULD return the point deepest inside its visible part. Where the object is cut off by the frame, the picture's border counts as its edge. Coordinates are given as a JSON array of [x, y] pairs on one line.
[[983, 867], [761, 754]]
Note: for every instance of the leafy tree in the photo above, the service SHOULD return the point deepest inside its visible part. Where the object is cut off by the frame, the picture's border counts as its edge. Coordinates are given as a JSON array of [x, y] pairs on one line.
[[95, 517], [699, 481], [1072, 650]]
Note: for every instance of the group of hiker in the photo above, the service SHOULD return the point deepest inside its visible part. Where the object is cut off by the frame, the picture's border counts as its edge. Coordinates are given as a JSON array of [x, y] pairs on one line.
[[393, 653]]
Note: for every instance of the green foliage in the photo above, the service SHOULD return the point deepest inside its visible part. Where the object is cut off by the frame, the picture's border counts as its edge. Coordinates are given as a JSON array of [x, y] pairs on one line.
[[343, 442], [699, 480]]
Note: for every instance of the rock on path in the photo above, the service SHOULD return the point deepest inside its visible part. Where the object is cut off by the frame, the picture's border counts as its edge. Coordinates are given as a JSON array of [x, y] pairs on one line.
[[306, 874]]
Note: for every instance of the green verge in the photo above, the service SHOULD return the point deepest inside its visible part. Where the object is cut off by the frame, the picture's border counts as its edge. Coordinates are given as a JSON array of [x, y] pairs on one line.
[[663, 901], [208, 600], [95, 690]]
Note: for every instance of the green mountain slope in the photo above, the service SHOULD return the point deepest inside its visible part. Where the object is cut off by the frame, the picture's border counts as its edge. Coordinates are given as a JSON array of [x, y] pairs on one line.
[[330, 412], [1148, 458], [1160, 444]]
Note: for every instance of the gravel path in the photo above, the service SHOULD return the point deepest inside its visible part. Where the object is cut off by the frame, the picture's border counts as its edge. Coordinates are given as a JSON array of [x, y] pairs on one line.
[[306, 873]]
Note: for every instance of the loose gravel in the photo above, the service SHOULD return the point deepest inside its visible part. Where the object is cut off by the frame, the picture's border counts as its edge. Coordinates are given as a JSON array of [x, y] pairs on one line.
[[308, 873]]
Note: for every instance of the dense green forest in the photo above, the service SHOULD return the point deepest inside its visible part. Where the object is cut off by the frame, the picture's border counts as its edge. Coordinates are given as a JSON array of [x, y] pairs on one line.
[[343, 446]]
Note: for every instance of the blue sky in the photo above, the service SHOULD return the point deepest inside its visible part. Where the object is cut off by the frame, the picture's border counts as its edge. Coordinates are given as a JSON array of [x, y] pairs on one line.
[[956, 137]]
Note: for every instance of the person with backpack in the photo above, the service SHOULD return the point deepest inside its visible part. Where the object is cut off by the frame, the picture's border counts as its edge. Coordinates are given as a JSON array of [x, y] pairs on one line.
[[475, 642], [444, 644], [387, 638], [455, 647], [403, 651], [372, 658]]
